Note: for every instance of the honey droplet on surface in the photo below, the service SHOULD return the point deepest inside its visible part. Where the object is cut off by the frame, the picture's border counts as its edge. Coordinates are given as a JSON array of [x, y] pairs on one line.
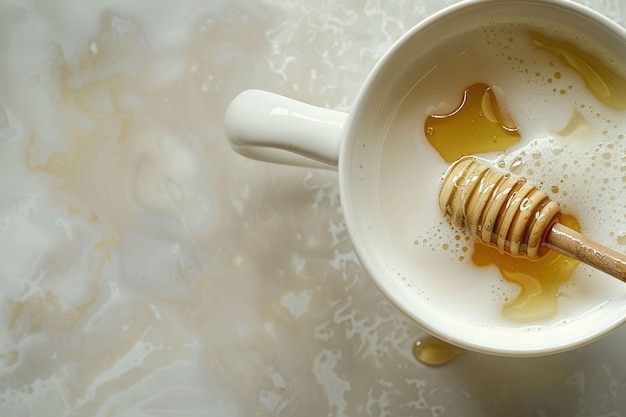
[[477, 125], [434, 352], [539, 279]]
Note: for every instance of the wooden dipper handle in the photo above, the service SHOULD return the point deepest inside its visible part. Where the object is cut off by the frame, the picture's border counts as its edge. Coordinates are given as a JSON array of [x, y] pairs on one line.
[[570, 243], [506, 211]]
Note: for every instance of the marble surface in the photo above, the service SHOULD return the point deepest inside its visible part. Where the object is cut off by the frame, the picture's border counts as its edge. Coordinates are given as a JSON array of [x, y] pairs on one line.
[[148, 270]]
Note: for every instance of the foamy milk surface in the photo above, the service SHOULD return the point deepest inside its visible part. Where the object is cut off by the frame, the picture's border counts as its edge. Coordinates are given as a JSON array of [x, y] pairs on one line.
[[572, 146]]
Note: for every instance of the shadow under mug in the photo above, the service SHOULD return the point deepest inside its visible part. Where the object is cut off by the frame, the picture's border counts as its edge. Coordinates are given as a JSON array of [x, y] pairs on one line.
[[277, 129]]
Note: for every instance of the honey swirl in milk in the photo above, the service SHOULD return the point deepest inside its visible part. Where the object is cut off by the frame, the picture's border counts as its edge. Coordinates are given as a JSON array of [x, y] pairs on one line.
[[479, 124], [539, 279]]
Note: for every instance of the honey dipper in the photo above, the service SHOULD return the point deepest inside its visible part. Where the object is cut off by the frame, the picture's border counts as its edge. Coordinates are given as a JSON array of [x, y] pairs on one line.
[[506, 211]]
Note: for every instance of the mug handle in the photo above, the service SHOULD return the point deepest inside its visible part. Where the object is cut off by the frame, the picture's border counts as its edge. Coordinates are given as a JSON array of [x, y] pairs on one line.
[[273, 128]]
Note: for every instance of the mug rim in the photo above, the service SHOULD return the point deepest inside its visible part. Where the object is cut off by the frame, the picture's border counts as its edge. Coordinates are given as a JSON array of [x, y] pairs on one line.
[[346, 177]]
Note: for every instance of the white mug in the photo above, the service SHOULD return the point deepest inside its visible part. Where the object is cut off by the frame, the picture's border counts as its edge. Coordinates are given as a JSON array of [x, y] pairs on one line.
[[274, 128]]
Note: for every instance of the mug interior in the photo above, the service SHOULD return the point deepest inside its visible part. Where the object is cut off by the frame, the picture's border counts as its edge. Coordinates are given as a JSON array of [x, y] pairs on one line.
[[389, 187]]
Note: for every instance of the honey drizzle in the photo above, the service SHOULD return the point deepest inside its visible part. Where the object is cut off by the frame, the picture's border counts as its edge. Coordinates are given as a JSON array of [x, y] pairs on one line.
[[604, 83]]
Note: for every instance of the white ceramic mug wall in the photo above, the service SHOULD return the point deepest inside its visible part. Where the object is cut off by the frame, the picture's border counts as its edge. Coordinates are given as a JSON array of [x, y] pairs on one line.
[[273, 128]]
